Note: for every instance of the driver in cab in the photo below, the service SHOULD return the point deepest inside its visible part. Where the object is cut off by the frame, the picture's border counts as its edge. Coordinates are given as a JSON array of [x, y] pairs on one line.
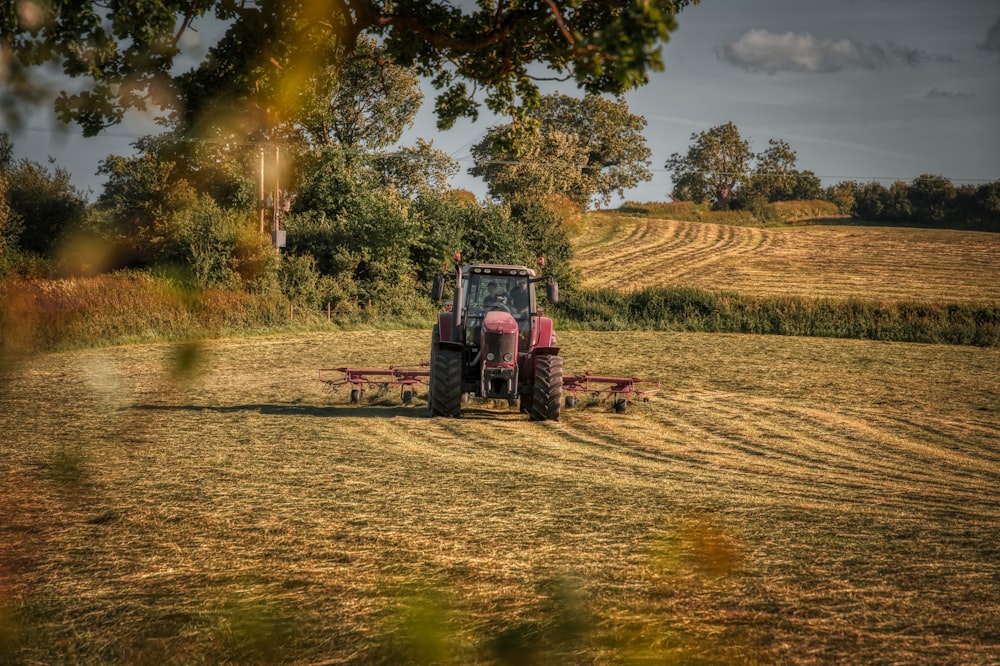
[[492, 298]]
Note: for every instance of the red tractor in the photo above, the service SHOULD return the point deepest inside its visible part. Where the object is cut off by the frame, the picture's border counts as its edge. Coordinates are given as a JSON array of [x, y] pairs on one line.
[[495, 343]]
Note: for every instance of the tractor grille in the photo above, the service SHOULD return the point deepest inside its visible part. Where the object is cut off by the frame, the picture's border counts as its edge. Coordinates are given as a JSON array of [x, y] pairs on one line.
[[500, 349]]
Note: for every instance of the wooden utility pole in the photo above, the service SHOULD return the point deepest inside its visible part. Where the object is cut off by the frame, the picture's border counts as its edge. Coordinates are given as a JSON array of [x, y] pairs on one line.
[[261, 203]]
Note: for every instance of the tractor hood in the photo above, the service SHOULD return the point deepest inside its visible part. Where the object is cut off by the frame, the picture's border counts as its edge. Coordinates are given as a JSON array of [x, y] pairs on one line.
[[499, 322]]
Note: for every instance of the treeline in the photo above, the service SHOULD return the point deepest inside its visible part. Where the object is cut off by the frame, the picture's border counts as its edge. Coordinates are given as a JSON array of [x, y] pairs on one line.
[[362, 232], [927, 200], [720, 168]]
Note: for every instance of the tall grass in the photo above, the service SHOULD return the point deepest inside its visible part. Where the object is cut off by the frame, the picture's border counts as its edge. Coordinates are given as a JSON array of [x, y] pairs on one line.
[[127, 307], [687, 309]]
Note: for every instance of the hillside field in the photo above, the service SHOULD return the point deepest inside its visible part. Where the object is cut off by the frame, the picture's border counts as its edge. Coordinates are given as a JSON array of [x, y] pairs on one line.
[[782, 499], [831, 261]]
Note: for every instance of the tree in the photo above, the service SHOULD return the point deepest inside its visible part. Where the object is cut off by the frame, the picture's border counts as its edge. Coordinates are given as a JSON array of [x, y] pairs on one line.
[[716, 166], [843, 194], [720, 166], [896, 206], [144, 200], [10, 224], [365, 104], [129, 52], [870, 201], [931, 199], [412, 170], [43, 206], [577, 148], [774, 176]]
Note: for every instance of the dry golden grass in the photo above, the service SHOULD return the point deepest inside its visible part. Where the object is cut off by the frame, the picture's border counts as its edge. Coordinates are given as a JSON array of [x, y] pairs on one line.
[[783, 500], [614, 250]]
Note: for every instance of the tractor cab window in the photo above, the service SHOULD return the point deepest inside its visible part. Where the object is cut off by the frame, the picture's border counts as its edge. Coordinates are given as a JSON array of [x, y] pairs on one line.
[[510, 293], [506, 293]]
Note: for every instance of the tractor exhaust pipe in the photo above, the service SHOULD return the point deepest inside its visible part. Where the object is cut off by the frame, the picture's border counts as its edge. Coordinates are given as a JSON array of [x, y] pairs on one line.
[[459, 305]]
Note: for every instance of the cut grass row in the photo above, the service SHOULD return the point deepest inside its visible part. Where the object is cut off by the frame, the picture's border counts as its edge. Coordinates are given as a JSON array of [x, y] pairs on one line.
[[838, 262]]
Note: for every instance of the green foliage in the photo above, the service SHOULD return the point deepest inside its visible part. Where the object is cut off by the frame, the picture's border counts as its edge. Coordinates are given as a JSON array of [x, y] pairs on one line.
[[443, 220], [219, 246], [576, 148], [364, 103], [493, 237], [546, 237], [720, 167], [413, 170], [366, 237], [931, 198], [40, 207], [927, 200], [717, 166], [144, 202], [686, 309], [127, 53], [225, 167]]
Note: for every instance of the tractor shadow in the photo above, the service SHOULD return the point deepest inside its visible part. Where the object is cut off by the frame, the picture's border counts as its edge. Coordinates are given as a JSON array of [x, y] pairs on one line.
[[291, 409]]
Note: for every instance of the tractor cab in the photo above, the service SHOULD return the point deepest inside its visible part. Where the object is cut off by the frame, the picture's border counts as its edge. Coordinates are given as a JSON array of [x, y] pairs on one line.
[[490, 289]]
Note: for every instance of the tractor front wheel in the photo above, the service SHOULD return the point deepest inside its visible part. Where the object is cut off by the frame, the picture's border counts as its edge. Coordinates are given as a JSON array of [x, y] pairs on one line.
[[546, 394]]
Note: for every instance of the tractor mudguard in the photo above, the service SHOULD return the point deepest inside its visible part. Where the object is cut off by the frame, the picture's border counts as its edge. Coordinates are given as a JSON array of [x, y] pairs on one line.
[[445, 321], [544, 341]]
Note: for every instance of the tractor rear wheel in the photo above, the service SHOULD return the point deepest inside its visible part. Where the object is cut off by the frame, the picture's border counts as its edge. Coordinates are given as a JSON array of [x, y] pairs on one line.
[[445, 393], [546, 395]]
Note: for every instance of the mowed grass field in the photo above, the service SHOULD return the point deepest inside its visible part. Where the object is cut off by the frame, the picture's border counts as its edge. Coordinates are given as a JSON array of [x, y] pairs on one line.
[[781, 500], [832, 261]]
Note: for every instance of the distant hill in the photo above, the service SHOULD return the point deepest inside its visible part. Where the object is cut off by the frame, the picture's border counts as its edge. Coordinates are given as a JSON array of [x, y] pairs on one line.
[[638, 246]]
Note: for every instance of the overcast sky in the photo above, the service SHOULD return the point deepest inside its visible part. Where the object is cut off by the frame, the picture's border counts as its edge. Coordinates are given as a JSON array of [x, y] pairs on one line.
[[861, 90]]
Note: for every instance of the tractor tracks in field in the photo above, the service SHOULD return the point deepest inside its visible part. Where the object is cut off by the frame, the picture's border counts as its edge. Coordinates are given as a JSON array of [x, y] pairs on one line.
[[723, 444], [817, 262], [655, 251], [812, 454]]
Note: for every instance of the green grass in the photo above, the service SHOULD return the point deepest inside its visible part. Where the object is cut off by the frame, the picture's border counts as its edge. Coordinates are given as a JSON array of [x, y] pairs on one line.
[[686, 309]]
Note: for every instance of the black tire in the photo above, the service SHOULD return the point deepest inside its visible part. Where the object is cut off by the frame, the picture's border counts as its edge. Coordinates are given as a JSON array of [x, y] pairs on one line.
[[407, 396], [356, 396], [620, 405], [445, 396], [571, 401], [435, 339], [546, 395]]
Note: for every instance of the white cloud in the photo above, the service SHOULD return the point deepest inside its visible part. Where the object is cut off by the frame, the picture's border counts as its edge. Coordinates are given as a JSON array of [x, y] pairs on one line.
[[758, 50]]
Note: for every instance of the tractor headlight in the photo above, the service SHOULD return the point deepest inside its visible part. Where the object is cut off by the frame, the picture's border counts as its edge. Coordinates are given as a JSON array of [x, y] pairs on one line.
[[508, 357], [490, 356]]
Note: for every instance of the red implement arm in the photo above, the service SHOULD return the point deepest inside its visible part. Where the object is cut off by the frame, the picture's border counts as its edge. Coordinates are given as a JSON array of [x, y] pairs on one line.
[[360, 379], [621, 389]]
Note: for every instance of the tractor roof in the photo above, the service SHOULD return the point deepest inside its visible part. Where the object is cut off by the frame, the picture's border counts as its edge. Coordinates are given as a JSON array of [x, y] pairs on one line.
[[495, 269]]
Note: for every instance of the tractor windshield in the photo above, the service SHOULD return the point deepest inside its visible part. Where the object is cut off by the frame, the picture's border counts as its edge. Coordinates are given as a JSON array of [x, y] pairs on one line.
[[510, 293], [485, 292]]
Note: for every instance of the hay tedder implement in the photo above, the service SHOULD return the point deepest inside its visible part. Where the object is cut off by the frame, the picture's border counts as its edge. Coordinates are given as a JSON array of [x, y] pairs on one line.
[[493, 343], [621, 390]]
